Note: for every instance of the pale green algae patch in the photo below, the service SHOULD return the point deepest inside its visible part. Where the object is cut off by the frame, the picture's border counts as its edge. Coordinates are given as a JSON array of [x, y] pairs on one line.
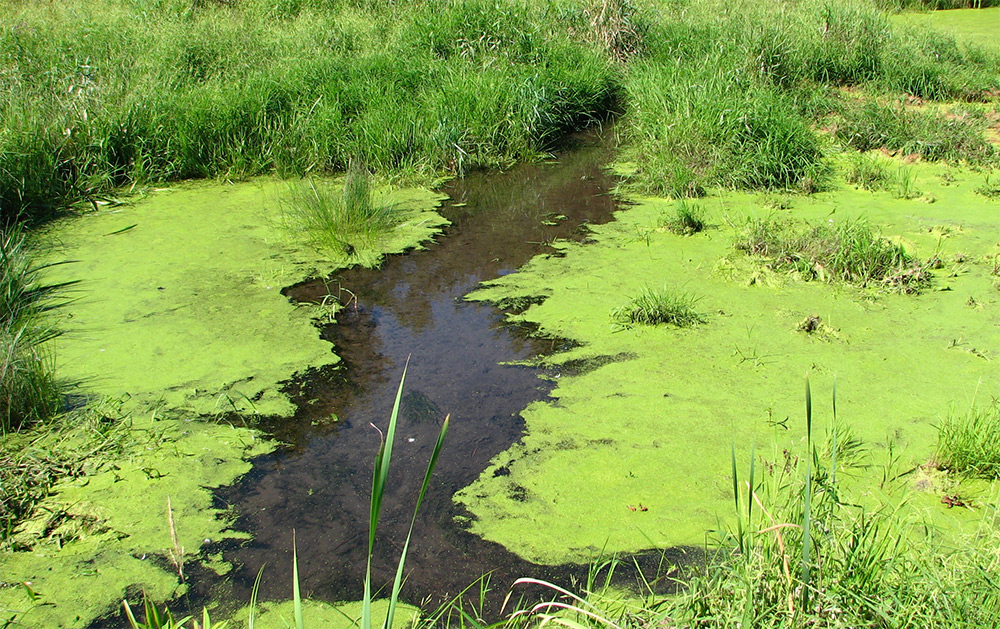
[[179, 301], [319, 614], [636, 452], [177, 313], [974, 26]]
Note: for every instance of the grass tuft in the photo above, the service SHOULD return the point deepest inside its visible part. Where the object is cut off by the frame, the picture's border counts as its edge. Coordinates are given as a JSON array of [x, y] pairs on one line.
[[849, 251], [654, 307], [969, 444], [342, 220], [689, 218]]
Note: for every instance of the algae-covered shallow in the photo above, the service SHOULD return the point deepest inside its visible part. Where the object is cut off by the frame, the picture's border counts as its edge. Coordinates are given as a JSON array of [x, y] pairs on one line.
[[970, 26], [178, 302], [176, 315], [653, 423]]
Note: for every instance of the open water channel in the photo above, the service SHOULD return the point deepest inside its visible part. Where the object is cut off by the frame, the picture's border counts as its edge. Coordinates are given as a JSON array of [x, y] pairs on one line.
[[460, 356]]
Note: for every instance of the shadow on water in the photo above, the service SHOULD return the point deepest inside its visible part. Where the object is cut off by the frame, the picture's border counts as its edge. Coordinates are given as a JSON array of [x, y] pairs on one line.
[[319, 484]]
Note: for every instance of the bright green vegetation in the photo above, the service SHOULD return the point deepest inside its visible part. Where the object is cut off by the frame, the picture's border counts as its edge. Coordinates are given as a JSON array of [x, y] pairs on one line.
[[302, 86], [969, 442], [653, 307], [201, 266], [195, 266], [654, 427], [28, 390], [178, 307], [732, 94], [340, 219], [714, 93], [688, 218], [858, 567], [104, 527], [850, 251], [931, 135], [978, 27]]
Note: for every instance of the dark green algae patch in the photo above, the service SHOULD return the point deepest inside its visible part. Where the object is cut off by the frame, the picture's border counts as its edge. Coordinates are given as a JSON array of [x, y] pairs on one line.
[[635, 452], [177, 315]]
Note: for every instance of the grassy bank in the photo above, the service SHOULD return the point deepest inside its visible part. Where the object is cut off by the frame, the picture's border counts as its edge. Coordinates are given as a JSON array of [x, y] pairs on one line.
[[28, 390], [239, 89], [97, 94]]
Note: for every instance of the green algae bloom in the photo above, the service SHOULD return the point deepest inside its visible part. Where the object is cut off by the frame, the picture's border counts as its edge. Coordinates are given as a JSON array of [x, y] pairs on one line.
[[654, 426], [178, 314]]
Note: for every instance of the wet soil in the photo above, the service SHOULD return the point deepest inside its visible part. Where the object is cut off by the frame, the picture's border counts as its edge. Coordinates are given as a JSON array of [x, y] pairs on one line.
[[459, 354]]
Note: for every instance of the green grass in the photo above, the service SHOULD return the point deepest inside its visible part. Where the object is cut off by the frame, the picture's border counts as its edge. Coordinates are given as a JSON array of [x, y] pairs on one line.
[[688, 218], [655, 307], [340, 219], [28, 387], [850, 251], [969, 443], [872, 171], [99, 94], [929, 134]]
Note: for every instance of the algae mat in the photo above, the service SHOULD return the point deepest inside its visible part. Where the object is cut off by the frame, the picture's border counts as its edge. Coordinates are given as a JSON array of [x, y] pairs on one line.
[[973, 26], [635, 452], [179, 301], [177, 314]]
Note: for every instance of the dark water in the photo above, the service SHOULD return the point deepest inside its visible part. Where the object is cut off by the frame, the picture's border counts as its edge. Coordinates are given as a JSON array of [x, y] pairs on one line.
[[319, 485]]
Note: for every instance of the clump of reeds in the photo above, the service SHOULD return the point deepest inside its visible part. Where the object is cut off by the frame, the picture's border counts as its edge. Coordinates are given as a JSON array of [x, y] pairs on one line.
[[688, 218], [340, 219], [969, 443], [849, 251], [28, 389], [662, 306]]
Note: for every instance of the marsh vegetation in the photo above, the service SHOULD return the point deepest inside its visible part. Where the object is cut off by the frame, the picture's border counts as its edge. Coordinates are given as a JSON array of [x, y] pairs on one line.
[[102, 99]]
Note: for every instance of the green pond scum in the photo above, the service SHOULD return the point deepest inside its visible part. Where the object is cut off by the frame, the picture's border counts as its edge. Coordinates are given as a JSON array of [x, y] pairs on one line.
[[634, 451], [178, 314]]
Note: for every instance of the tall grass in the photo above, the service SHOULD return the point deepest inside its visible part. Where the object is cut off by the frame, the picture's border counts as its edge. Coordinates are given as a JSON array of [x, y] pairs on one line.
[[931, 135], [98, 94], [969, 443], [731, 94], [341, 220], [28, 388], [849, 251]]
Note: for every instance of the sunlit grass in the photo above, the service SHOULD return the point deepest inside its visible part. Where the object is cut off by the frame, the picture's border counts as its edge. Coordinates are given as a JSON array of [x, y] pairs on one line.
[[849, 251], [969, 442], [28, 388], [340, 219], [659, 306]]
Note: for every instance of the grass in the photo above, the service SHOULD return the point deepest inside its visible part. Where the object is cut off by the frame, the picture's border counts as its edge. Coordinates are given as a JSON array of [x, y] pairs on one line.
[[28, 388], [34, 459], [872, 171], [100, 94], [688, 218], [850, 251], [802, 554], [655, 307], [969, 443], [929, 134], [344, 219]]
